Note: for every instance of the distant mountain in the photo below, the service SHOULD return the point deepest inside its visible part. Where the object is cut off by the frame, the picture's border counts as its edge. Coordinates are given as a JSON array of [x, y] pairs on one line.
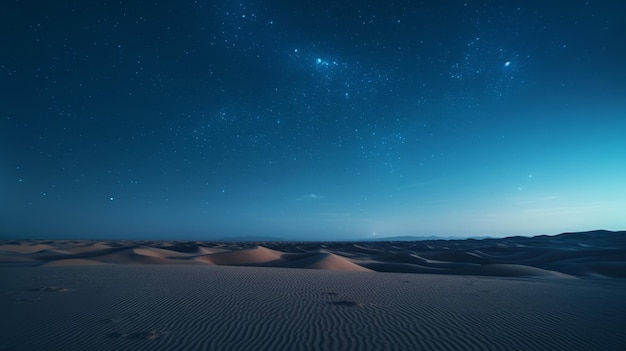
[[592, 234], [595, 234]]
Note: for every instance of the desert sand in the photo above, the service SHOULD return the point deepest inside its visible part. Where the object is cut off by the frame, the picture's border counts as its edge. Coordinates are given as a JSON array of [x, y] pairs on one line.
[[562, 292]]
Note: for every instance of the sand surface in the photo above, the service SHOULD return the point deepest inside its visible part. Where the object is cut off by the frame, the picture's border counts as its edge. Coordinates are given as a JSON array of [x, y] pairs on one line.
[[590, 254], [168, 307], [546, 293]]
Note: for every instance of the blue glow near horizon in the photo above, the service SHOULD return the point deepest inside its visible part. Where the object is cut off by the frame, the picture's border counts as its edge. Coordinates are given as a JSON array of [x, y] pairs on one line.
[[327, 129]]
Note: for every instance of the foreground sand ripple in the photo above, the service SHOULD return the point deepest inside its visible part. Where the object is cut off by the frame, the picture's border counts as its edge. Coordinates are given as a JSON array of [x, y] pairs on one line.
[[210, 307]]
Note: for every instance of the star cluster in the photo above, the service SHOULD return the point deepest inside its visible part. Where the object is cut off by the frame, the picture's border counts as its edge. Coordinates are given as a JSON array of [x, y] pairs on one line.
[[311, 120]]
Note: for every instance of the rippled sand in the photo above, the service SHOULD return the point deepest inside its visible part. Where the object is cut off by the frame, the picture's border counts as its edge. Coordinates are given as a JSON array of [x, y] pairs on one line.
[[167, 307], [562, 292]]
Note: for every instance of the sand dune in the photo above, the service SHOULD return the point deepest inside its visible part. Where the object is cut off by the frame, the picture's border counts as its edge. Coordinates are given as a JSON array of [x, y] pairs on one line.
[[141, 256], [156, 252], [325, 261], [87, 247], [243, 257], [543, 293], [509, 270], [25, 248], [593, 254], [73, 262]]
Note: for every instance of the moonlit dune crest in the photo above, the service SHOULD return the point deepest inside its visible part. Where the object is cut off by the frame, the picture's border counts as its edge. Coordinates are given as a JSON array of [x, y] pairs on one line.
[[588, 254]]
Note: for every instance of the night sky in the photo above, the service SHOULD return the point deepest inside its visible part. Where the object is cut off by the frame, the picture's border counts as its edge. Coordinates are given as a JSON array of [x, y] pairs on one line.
[[311, 120]]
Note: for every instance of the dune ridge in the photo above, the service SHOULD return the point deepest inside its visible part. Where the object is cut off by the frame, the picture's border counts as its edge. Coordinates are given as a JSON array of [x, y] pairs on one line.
[[589, 254], [546, 293]]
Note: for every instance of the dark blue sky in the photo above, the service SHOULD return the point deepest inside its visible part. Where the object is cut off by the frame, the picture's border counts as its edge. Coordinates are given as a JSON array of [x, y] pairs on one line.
[[311, 119]]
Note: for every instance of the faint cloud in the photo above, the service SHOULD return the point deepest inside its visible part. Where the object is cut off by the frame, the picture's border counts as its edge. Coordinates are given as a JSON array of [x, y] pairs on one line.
[[310, 197]]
